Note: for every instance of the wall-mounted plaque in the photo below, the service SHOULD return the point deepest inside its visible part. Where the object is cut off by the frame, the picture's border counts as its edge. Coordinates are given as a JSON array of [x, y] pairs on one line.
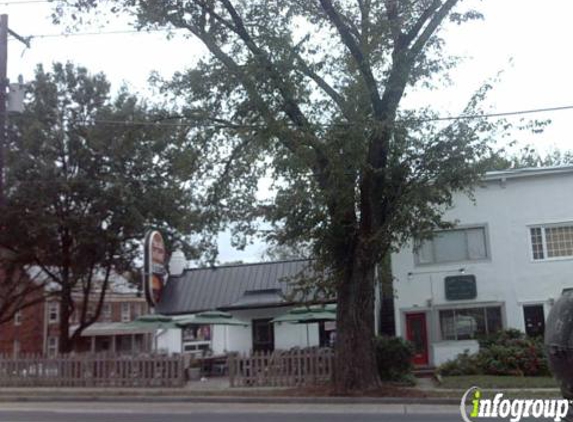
[[460, 287]]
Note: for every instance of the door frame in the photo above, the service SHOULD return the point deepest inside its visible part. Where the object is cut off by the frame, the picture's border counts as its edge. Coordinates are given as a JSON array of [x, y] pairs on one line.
[[424, 358]]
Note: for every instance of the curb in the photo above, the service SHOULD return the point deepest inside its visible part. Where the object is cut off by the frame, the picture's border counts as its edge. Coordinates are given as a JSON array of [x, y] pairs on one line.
[[229, 399]]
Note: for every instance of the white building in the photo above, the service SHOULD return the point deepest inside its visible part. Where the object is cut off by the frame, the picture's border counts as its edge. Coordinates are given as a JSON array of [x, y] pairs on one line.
[[252, 293], [508, 258]]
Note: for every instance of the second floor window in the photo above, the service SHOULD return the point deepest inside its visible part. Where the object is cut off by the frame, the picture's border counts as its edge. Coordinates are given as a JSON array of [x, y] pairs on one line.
[[53, 312], [555, 241], [106, 312], [468, 244], [125, 312]]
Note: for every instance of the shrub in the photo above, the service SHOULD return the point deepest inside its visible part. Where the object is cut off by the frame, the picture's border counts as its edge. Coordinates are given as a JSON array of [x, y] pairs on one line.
[[464, 364], [514, 356], [394, 358], [508, 352]]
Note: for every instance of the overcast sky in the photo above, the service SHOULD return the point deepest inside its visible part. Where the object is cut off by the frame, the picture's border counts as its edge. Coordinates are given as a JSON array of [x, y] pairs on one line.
[[528, 39]]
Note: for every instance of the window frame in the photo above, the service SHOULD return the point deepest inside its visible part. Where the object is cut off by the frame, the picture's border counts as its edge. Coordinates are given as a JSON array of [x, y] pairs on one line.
[[52, 349], [125, 312], [467, 227], [53, 305], [543, 228]]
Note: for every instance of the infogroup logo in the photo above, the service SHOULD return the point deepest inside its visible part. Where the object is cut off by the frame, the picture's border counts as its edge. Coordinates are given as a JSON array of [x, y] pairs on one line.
[[512, 409]]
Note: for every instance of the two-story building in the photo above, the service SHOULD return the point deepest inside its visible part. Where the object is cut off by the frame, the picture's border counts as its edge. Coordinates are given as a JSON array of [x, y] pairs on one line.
[[36, 329], [508, 258]]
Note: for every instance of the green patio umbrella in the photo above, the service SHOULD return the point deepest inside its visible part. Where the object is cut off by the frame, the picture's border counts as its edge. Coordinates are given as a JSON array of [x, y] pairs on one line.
[[308, 315], [156, 321], [208, 318]]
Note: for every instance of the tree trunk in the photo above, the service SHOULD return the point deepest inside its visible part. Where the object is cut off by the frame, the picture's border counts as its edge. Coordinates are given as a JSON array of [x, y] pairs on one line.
[[355, 360], [65, 343]]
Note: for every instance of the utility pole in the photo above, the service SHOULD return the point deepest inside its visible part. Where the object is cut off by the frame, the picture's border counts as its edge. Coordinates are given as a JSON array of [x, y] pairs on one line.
[[4, 31], [3, 94]]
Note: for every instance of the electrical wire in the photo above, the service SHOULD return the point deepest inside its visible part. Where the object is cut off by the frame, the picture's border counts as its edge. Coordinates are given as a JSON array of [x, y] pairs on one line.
[[421, 120]]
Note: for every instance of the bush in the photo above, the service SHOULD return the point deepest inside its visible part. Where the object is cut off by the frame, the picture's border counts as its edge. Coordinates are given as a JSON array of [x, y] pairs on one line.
[[464, 364], [394, 358], [508, 352]]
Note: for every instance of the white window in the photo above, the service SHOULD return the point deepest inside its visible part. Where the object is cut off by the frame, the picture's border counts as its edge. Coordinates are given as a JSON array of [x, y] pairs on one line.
[[18, 318], [53, 312], [470, 323], [106, 312], [52, 346], [125, 312], [554, 241], [468, 244]]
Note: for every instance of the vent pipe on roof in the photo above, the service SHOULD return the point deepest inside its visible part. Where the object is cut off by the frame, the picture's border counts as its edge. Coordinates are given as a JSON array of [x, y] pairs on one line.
[[177, 263]]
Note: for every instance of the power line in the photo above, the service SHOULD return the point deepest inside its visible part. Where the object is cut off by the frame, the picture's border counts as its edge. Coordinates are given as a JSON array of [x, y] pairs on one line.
[[421, 120], [96, 33], [22, 2]]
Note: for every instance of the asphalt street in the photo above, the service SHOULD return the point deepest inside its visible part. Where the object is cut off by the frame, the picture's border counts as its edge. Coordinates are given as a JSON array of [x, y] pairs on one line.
[[223, 412]]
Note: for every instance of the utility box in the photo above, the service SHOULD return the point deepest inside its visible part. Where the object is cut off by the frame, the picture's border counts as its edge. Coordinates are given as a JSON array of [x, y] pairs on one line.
[[16, 94]]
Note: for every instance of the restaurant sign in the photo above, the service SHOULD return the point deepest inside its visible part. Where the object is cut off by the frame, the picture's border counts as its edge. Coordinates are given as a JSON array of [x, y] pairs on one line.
[[154, 272]]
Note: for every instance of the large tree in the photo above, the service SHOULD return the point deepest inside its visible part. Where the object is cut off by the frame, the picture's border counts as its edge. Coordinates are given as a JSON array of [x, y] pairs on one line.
[[310, 92], [87, 175]]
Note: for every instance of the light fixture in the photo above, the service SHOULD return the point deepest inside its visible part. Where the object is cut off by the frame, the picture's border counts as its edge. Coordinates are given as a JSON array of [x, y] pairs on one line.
[[462, 270]]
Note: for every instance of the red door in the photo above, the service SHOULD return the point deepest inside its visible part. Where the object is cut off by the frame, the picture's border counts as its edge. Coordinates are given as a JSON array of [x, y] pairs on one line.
[[417, 334]]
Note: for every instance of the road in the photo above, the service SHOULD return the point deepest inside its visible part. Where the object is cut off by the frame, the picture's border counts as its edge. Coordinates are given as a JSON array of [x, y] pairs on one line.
[[223, 412]]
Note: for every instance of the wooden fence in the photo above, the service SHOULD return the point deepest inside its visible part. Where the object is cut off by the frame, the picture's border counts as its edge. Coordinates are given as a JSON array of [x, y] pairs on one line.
[[92, 371], [281, 369]]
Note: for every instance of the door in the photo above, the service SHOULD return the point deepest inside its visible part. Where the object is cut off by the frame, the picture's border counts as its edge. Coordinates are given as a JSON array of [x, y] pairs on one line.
[[417, 334], [534, 320], [263, 335]]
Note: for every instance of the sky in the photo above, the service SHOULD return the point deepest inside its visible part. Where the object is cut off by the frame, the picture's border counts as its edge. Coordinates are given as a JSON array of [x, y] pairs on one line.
[[529, 40]]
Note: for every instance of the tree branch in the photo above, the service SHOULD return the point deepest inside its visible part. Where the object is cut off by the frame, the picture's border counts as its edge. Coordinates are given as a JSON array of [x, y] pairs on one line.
[[435, 21], [358, 55]]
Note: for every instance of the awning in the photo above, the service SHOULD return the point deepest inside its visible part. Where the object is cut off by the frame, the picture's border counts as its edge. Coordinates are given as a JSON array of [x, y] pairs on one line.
[[113, 329]]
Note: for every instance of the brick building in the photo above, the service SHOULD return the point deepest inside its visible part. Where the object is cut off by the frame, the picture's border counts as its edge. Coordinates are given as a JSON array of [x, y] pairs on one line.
[[35, 330]]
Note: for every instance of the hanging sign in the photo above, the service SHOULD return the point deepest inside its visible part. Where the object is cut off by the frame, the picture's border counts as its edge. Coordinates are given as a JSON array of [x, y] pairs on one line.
[[154, 273]]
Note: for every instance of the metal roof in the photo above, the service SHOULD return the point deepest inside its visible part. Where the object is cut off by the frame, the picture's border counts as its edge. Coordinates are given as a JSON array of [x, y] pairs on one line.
[[231, 286], [527, 172]]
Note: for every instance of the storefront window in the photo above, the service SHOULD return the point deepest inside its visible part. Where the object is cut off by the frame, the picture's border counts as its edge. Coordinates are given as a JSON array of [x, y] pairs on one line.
[[470, 323]]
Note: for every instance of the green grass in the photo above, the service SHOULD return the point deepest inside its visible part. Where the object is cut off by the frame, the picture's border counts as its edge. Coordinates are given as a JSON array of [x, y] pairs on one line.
[[489, 381]]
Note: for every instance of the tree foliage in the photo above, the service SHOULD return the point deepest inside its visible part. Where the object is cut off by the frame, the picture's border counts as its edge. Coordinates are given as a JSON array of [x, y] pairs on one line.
[[529, 156], [83, 184], [310, 93]]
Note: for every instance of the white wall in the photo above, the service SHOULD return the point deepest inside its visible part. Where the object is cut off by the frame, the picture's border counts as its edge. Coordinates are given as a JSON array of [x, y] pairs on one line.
[[510, 276], [169, 340]]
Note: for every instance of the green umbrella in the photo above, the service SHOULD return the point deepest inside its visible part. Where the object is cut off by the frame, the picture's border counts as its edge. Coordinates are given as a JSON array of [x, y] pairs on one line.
[[208, 318], [155, 321], [308, 315]]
